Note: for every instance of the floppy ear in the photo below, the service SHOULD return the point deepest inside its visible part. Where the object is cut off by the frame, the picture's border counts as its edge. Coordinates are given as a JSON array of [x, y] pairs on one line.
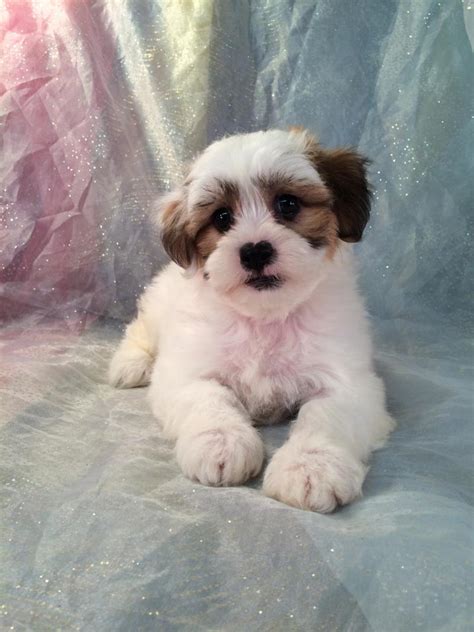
[[344, 173], [174, 229]]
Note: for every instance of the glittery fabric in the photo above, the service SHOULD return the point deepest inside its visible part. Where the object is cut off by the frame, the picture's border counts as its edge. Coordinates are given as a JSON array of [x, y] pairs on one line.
[[102, 103]]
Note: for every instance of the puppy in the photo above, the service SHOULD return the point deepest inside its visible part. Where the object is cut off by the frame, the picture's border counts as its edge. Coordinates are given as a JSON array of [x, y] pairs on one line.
[[259, 320]]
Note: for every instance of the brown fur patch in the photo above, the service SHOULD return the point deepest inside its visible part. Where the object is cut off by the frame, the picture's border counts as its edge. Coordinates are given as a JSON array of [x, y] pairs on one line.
[[309, 193], [174, 234], [206, 242], [344, 173], [318, 226], [315, 222], [220, 194]]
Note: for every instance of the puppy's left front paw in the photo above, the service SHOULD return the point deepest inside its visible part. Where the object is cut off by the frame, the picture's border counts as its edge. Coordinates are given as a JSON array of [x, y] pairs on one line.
[[314, 479]]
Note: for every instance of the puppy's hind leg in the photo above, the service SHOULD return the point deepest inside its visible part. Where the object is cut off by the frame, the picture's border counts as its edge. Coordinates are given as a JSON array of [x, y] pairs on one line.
[[132, 363]]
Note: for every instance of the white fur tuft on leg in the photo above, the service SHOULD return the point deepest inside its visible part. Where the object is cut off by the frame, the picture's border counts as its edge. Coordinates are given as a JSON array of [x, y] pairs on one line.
[[133, 361]]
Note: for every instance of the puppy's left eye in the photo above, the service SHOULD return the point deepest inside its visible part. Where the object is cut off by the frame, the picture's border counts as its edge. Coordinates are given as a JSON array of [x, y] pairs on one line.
[[222, 219], [287, 206]]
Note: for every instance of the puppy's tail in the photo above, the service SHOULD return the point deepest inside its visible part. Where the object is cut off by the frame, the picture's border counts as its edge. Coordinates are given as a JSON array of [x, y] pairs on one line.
[[133, 361]]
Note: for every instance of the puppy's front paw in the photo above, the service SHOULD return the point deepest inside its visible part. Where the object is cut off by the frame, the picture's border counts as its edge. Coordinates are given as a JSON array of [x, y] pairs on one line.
[[221, 456], [314, 479]]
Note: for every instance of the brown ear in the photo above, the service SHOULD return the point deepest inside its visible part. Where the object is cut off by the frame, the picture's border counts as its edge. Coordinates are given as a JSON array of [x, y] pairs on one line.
[[344, 173], [176, 241]]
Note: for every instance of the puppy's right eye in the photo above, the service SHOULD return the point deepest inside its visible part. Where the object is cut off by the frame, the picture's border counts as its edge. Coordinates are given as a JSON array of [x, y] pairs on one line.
[[222, 219]]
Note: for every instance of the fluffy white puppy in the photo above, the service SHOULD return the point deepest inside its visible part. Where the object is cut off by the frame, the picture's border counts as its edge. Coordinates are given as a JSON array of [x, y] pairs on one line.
[[259, 320]]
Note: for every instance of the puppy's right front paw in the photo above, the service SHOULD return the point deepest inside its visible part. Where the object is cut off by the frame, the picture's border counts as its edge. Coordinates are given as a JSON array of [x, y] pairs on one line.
[[221, 456]]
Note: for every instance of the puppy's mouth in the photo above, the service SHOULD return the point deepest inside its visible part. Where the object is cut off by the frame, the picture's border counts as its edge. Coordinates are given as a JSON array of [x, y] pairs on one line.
[[264, 282]]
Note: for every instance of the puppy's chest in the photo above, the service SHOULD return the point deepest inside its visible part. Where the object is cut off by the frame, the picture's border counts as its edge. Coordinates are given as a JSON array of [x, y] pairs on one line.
[[268, 369]]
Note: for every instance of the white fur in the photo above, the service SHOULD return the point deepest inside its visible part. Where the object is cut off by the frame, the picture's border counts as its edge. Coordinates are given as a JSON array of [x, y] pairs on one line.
[[223, 355]]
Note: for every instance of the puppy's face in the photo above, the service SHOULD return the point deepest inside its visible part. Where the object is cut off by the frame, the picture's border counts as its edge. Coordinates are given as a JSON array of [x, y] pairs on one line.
[[261, 214]]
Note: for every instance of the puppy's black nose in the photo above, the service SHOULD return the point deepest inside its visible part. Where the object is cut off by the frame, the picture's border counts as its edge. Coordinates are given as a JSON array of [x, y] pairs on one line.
[[255, 257]]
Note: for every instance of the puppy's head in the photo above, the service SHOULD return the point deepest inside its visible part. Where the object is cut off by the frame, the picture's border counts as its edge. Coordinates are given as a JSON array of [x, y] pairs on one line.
[[260, 215]]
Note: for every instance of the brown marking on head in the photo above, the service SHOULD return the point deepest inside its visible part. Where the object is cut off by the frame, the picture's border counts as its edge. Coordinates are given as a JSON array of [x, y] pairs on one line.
[[344, 173], [316, 221], [176, 239], [307, 191], [192, 238], [206, 242], [318, 225], [217, 194]]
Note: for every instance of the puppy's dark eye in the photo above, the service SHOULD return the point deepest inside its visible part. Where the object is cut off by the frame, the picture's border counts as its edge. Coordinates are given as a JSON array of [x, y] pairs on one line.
[[287, 206], [222, 219]]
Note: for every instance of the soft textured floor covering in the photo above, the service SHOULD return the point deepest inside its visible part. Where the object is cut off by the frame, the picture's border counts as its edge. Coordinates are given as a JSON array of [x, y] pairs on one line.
[[104, 533], [101, 104]]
